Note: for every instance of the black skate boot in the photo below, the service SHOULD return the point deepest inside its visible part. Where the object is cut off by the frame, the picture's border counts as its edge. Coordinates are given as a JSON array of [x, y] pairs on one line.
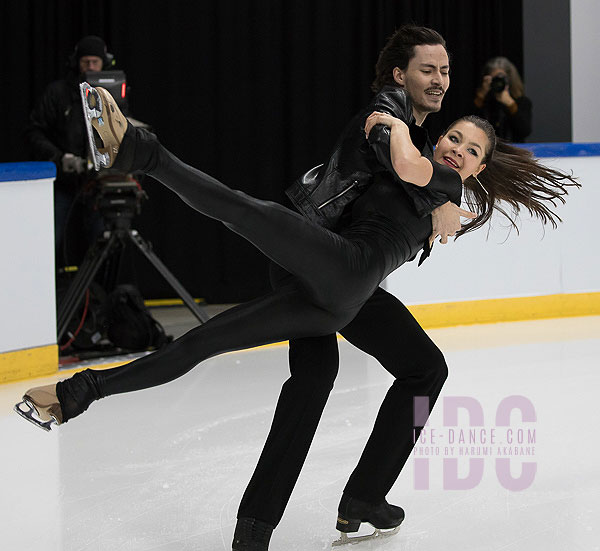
[[49, 405], [385, 518], [251, 535], [114, 142]]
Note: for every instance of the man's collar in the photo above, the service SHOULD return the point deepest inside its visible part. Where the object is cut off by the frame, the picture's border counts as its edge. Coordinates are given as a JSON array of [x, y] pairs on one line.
[[420, 138]]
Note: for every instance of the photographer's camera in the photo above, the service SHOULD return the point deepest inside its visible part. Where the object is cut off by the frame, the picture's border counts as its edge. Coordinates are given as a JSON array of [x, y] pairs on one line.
[[499, 82]]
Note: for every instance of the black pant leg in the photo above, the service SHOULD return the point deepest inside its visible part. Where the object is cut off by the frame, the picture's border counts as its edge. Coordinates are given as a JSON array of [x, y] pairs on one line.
[[284, 313], [385, 329], [313, 366]]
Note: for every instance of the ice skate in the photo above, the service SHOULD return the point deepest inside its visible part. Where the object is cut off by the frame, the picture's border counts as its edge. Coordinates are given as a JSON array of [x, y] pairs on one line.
[[383, 517], [344, 539], [105, 124], [49, 405], [251, 535], [41, 407]]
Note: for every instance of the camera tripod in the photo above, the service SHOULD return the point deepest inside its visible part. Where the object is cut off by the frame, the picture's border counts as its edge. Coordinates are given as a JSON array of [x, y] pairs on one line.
[[118, 201]]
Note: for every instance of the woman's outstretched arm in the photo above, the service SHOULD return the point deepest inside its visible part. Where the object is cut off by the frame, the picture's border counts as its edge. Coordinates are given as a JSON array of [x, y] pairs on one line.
[[407, 161]]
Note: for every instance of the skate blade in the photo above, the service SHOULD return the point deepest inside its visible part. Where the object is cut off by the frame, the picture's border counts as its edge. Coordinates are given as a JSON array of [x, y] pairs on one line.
[[31, 414], [378, 534], [92, 109]]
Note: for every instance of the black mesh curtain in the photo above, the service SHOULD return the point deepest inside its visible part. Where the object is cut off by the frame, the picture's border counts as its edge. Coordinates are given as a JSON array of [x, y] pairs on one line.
[[253, 92]]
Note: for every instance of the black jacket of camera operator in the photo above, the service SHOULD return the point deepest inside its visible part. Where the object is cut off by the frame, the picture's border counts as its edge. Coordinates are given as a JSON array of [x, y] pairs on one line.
[[57, 127]]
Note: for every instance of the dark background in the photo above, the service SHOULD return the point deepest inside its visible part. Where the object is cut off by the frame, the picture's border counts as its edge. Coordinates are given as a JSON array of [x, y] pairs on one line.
[[252, 92]]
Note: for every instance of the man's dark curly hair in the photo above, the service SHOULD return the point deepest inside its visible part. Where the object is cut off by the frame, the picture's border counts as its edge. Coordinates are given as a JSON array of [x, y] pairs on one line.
[[400, 49]]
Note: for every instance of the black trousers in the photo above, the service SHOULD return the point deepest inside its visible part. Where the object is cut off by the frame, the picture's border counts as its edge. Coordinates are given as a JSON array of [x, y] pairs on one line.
[[333, 281], [385, 329]]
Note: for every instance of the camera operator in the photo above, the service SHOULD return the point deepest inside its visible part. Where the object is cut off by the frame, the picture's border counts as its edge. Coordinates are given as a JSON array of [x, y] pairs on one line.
[[500, 100], [57, 133]]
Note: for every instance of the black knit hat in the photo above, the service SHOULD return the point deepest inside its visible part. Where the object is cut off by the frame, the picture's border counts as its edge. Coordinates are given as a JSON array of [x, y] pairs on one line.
[[90, 45]]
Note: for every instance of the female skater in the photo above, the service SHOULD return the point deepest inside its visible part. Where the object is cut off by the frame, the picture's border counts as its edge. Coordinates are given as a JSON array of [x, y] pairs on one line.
[[334, 274]]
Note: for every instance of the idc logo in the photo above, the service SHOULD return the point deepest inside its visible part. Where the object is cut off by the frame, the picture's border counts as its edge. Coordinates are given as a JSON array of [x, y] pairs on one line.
[[511, 445]]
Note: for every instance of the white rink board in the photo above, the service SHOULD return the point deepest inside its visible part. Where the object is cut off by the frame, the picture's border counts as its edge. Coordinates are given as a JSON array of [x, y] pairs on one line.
[[539, 261], [27, 302]]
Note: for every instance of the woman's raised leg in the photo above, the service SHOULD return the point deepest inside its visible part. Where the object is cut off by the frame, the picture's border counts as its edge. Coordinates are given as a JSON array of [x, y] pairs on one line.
[[317, 257], [333, 269]]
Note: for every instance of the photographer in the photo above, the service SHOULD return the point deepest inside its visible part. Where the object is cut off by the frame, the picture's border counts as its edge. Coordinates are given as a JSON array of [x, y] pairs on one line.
[[57, 133], [500, 100]]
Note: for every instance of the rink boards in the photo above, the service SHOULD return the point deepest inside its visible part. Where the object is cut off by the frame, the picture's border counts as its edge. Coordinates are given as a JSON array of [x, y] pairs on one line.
[[484, 277]]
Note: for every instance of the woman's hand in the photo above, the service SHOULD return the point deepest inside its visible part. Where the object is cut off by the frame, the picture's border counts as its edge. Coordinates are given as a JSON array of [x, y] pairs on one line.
[[381, 118], [445, 221]]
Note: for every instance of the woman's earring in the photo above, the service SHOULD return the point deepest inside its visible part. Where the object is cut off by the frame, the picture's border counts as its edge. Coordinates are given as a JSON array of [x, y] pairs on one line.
[[483, 188]]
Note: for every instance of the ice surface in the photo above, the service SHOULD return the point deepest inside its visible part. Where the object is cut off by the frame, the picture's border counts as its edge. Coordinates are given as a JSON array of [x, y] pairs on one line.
[[164, 469]]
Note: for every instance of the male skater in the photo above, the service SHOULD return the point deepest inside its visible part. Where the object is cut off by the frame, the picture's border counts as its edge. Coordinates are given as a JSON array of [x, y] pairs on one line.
[[412, 76]]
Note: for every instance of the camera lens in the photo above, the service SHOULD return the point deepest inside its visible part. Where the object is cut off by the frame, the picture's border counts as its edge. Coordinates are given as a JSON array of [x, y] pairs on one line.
[[498, 83]]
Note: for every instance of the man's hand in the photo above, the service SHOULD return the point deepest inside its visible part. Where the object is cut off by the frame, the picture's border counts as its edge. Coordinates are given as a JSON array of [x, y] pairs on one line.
[[446, 221], [73, 164]]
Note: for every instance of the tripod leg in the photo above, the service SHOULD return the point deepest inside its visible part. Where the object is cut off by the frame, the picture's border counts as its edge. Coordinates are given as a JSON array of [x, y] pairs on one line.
[[94, 258], [147, 251]]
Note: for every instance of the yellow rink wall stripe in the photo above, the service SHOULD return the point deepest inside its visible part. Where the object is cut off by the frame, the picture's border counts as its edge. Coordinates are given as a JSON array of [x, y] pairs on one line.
[[448, 314], [43, 361], [28, 363]]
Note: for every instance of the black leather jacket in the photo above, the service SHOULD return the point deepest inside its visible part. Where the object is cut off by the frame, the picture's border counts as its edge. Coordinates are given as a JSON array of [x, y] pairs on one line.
[[323, 192]]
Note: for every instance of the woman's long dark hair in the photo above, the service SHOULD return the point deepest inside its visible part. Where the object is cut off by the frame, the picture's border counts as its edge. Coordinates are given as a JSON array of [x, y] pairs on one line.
[[515, 178]]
